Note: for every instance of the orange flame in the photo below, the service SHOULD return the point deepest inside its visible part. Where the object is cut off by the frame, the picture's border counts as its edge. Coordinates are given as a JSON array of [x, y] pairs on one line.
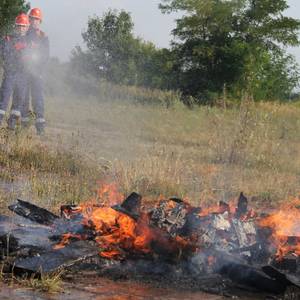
[[118, 234], [285, 225], [116, 231], [66, 238], [109, 194]]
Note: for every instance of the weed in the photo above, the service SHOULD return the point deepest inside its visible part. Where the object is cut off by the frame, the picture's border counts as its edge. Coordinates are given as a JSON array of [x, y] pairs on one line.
[[50, 283]]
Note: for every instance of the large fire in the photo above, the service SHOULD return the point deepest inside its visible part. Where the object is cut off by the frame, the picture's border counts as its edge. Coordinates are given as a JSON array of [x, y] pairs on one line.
[[119, 234], [116, 233]]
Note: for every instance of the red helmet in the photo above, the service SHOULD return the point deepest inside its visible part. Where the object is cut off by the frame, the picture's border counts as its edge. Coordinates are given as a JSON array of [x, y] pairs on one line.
[[22, 20], [36, 13]]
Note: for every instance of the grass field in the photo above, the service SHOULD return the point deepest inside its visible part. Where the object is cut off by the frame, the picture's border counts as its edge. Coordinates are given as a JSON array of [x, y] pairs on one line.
[[205, 154]]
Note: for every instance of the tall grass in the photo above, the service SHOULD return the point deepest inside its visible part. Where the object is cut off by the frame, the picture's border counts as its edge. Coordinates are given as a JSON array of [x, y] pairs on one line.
[[39, 172], [106, 91], [205, 153], [210, 154]]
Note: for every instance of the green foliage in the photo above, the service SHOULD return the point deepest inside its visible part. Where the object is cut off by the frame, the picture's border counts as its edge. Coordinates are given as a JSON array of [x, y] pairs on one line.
[[9, 9], [274, 76], [116, 55], [111, 46], [220, 47], [236, 43]]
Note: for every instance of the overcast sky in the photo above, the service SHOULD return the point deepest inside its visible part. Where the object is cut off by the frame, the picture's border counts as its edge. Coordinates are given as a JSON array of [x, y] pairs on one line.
[[64, 21]]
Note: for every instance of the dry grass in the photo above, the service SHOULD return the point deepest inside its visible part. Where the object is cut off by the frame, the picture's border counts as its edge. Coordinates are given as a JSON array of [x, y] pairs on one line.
[[50, 283], [33, 170], [205, 154]]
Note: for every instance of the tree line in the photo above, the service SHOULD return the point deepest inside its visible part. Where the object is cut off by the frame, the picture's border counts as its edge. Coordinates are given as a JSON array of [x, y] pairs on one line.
[[233, 45], [218, 46]]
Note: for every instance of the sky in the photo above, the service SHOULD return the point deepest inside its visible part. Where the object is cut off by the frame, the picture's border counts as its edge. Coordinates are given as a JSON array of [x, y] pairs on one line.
[[65, 20]]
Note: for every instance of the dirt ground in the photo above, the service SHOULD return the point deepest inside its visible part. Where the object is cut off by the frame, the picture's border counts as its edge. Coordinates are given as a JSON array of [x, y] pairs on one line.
[[96, 288]]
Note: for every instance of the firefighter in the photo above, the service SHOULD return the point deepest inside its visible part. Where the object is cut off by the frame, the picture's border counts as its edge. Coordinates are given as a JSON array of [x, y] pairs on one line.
[[14, 58], [38, 44]]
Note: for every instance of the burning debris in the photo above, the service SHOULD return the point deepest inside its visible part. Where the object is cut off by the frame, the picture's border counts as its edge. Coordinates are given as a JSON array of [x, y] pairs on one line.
[[174, 240]]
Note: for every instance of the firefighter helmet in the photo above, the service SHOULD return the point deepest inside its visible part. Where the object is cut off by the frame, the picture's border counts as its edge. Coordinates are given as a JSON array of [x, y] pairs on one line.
[[36, 13], [22, 20]]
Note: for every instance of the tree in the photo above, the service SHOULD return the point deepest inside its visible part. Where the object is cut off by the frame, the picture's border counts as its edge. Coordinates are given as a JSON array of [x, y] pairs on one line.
[[116, 55], [9, 9], [274, 76], [111, 47], [154, 66], [230, 43]]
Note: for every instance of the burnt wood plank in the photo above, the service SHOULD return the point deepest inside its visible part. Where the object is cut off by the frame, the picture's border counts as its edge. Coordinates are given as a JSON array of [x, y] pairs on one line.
[[55, 260], [130, 206], [242, 206], [16, 235], [33, 212], [252, 277], [281, 276], [240, 272]]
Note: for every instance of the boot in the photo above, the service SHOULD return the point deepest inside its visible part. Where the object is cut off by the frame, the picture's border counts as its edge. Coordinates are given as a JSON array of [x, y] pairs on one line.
[[1, 119], [40, 128], [12, 122]]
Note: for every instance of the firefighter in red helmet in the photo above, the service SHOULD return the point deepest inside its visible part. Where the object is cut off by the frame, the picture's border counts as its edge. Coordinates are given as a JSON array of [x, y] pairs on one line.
[[36, 13], [14, 58], [38, 44]]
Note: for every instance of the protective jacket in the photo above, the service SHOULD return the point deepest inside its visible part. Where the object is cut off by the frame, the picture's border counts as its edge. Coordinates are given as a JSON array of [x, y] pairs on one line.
[[14, 53], [38, 51]]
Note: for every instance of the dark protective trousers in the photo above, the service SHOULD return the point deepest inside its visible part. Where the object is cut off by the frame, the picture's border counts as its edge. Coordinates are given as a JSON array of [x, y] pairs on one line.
[[12, 82], [35, 90]]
